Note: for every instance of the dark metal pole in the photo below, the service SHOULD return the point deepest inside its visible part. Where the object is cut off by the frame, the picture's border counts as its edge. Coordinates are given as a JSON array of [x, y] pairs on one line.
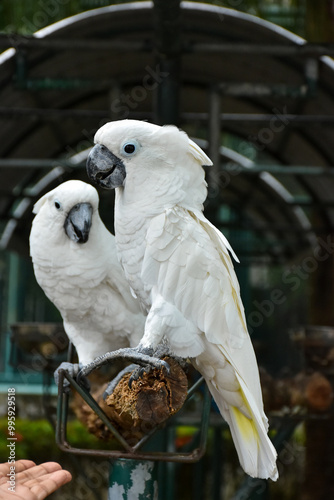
[[214, 134], [214, 146], [167, 24]]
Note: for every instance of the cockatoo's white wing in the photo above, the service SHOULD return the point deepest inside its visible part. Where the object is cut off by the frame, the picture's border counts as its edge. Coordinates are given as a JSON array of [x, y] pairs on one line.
[[192, 277], [183, 261]]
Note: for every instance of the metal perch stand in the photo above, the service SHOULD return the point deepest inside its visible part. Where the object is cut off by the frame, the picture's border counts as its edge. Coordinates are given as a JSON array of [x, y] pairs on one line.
[[133, 472]]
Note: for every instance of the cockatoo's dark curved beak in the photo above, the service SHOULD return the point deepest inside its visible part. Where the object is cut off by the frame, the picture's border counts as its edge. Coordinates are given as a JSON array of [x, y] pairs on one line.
[[78, 222], [104, 168]]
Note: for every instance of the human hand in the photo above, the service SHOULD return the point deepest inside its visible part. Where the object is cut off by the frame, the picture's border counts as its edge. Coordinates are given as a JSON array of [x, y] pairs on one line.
[[31, 481]]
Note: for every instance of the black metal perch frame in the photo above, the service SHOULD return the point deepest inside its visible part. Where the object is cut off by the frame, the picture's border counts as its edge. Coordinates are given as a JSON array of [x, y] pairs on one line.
[[130, 452]]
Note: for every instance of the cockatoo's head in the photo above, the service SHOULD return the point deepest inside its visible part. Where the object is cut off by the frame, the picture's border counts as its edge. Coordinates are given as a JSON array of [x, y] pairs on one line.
[[149, 158], [67, 210]]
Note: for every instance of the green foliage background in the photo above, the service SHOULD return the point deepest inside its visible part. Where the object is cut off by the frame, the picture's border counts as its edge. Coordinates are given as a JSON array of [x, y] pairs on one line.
[[25, 17], [313, 20], [36, 439]]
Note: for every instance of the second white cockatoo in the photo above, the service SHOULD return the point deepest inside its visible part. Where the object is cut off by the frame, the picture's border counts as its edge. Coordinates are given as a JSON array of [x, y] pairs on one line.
[[178, 265], [75, 263]]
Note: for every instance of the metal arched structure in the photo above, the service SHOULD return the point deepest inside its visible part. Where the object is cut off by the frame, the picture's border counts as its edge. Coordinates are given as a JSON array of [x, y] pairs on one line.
[[227, 78]]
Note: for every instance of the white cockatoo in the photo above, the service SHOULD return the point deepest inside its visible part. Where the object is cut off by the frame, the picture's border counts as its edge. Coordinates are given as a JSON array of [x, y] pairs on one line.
[[75, 263], [178, 265]]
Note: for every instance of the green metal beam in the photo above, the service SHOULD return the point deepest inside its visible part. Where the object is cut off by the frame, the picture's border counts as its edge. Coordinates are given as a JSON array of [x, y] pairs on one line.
[[31, 42], [279, 169], [293, 50], [47, 163], [38, 163], [54, 113]]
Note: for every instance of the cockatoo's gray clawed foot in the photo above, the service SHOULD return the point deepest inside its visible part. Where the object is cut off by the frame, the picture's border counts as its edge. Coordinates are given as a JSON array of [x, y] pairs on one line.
[[138, 355], [138, 373], [72, 369], [112, 385], [163, 350]]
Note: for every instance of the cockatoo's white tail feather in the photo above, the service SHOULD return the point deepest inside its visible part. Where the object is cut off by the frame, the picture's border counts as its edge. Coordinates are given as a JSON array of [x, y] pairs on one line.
[[256, 453]]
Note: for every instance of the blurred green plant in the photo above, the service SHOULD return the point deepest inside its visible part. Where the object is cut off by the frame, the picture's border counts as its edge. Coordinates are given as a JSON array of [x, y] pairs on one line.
[[36, 439], [20, 16], [313, 20], [24, 17]]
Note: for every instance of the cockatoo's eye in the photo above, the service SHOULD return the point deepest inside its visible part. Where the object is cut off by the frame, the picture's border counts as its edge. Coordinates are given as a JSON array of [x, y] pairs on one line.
[[57, 205], [129, 148]]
